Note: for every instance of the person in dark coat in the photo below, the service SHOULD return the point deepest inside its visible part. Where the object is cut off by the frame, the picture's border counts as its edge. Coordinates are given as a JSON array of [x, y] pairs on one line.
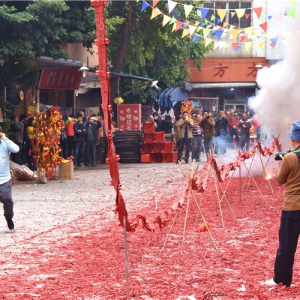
[[221, 133], [17, 127], [91, 140]]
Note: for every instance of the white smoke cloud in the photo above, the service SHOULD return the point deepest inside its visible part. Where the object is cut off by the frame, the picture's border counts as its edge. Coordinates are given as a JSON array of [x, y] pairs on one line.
[[278, 100]]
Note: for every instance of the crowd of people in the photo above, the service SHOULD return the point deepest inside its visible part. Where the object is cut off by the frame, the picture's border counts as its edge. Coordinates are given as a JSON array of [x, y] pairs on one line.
[[205, 132], [79, 139]]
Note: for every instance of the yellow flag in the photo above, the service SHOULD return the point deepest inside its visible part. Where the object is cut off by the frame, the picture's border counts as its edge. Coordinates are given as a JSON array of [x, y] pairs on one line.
[[232, 14], [240, 12], [261, 44], [155, 13], [208, 41], [248, 30], [222, 13], [166, 20], [225, 24], [174, 27], [234, 33], [248, 46], [185, 32]]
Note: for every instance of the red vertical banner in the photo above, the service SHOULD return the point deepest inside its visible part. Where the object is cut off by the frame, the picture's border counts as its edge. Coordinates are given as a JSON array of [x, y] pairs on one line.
[[129, 116]]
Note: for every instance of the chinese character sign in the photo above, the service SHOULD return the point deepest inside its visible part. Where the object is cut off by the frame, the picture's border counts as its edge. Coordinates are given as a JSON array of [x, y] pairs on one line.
[[63, 79], [129, 116]]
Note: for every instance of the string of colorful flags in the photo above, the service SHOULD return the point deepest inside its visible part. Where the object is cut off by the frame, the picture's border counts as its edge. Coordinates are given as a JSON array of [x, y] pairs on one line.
[[207, 29]]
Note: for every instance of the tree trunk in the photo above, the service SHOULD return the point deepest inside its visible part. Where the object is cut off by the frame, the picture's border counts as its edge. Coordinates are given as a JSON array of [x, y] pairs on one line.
[[127, 30]]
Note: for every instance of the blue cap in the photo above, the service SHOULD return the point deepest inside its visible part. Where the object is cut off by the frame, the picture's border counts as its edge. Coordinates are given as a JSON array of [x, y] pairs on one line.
[[295, 131]]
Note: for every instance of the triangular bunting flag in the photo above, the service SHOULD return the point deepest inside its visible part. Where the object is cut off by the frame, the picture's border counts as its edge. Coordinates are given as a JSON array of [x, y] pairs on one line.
[[227, 45], [155, 13], [174, 27], [258, 11], [238, 47], [235, 45], [173, 20], [293, 3], [261, 44], [166, 20], [144, 5], [221, 44], [196, 37], [185, 32], [248, 46], [216, 45], [240, 12], [155, 2], [272, 45], [171, 5], [225, 24], [208, 42], [248, 30], [231, 27], [232, 14], [222, 13], [219, 21], [242, 37], [212, 18], [247, 16], [206, 32], [234, 33], [206, 22], [274, 41], [197, 23], [219, 33], [187, 9], [178, 25], [269, 18], [262, 17], [204, 11], [264, 26], [192, 29], [292, 13]]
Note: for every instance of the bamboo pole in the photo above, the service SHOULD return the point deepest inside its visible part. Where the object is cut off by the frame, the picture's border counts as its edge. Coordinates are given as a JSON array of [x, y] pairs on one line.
[[264, 171], [169, 233], [219, 203]]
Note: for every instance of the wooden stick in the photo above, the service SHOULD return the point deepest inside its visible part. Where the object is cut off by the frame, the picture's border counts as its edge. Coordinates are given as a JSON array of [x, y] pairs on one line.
[[264, 171], [227, 185], [262, 174], [219, 203], [169, 233], [126, 259], [227, 202], [248, 178], [199, 209]]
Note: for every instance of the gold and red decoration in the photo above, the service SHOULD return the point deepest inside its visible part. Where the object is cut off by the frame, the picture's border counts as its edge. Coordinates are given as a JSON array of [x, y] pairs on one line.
[[187, 106], [46, 144]]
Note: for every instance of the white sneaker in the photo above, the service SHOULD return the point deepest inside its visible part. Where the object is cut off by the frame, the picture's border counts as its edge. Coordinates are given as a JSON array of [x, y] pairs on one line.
[[270, 282]]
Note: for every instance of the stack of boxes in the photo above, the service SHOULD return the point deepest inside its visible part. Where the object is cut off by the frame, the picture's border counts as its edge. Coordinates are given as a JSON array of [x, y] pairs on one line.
[[155, 149]]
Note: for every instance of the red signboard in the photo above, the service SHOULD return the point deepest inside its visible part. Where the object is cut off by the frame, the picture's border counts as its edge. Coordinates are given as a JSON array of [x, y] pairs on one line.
[[129, 116], [62, 79]]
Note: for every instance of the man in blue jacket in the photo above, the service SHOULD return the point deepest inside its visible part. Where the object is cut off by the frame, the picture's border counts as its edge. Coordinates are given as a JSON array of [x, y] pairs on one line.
[[6, 146]]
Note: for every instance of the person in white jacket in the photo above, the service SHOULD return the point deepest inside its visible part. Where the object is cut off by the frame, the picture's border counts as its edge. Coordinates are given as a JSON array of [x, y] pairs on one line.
[[6, 147]]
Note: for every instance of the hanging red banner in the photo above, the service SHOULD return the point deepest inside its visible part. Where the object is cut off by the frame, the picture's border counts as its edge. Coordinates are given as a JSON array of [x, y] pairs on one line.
[[129, 116], [62, 79]]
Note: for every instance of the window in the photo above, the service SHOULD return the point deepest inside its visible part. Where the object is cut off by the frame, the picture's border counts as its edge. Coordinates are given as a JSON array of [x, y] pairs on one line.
[[231, 18]]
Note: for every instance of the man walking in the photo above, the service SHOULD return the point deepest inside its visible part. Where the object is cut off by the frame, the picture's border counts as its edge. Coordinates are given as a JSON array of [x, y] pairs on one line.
[[6, 146], [185, 125], [197, 139], [17, 127], [80, 132], [245, 125], [289, 174], [209, 132], [233, 122], [91, 140]]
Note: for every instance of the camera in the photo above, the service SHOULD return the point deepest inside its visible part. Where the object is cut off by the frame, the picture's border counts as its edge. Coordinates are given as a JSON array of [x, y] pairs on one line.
[[207, 117], [278, 154]]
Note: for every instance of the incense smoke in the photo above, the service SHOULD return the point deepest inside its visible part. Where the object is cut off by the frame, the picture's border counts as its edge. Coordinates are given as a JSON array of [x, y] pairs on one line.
[[278, 100]]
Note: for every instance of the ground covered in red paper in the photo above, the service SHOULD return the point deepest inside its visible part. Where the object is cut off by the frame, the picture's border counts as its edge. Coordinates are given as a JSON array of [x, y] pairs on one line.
[[89, 263]]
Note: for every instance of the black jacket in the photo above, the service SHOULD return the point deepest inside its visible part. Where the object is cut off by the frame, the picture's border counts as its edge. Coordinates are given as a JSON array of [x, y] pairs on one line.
[[94, 126]]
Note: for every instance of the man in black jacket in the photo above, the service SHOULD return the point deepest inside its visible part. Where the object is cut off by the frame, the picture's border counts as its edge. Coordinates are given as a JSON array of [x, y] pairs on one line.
[[91, 140], [17, 127]]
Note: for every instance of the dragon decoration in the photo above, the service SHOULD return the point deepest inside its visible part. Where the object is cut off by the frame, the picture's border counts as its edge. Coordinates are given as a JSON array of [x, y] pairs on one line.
[[197, 183]]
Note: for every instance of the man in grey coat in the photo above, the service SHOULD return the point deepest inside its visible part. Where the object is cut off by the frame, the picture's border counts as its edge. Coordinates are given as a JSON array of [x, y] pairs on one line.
[[6, 146], [17, 127]]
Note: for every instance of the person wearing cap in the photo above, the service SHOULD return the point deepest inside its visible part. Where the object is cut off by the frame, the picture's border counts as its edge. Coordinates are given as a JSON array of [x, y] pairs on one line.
[[6, 147], [288, 174]]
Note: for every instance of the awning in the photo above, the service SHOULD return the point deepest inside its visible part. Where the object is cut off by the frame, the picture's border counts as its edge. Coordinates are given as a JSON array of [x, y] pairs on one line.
[[202, 85]]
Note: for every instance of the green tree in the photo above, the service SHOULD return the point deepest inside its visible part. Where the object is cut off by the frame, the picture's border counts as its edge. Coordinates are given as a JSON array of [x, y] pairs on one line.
[[143, 47], [30, 29]]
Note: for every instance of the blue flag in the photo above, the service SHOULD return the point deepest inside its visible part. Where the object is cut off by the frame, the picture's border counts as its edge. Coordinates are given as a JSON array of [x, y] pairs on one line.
[[144, 5], [197, 37], [204, 12]]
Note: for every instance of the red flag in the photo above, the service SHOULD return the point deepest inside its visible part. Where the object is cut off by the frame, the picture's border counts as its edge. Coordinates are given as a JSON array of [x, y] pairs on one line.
[[178, 25], [155, 2], [272, 45], [247, 16], [258, 11], [264, 26], [242, 37], [235, 45]]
